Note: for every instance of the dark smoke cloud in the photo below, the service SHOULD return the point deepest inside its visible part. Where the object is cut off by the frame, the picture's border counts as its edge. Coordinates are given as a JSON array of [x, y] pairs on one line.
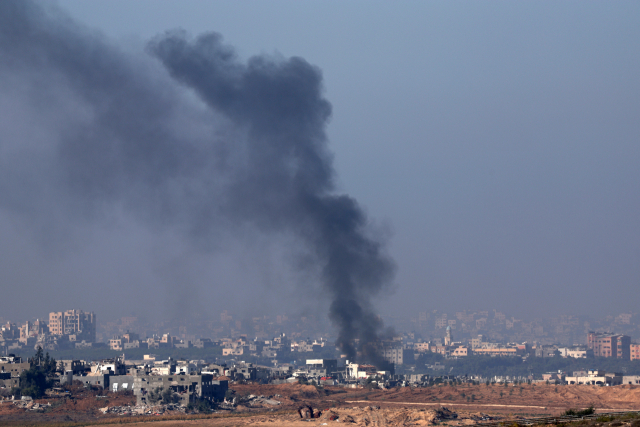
[[249, 150]]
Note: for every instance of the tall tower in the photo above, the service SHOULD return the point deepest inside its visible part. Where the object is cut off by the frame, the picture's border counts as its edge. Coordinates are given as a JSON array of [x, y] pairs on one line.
[[448, 338]]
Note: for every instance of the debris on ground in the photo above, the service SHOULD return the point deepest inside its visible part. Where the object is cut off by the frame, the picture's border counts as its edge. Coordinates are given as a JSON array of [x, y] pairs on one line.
[[143, 409], [30, 405]]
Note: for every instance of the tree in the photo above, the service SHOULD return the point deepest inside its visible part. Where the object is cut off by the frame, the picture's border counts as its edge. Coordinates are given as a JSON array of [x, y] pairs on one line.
[[37, 358], [154, 395], [33, 382], [168, 396], [49, 366], [200, 405]]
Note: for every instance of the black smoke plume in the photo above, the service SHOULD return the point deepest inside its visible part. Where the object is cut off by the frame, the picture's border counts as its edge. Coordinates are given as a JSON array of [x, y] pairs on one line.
[[129, 133]]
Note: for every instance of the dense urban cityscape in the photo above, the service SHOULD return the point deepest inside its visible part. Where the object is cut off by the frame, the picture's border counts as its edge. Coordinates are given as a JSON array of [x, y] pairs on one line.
[[382, 214], [435, 347]]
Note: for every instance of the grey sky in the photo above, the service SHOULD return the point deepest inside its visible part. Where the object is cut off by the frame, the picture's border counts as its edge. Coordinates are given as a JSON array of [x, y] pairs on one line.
[[497, 141]]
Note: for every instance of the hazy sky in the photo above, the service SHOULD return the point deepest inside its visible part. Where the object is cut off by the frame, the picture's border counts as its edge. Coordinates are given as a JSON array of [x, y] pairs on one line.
[[494, 144]]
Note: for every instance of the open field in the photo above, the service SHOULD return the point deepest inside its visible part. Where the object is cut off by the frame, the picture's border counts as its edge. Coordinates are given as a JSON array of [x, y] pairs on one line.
[[394, 407]]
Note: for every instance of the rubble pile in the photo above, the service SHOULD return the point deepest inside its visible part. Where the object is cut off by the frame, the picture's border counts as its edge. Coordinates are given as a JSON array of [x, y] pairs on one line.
[[253, 400], [30, 405], [257, 401], [142, 409], [483, 417]]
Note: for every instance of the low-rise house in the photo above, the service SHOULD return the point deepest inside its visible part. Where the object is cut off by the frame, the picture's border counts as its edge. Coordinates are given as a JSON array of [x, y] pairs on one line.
[[135, 344], [11, 367], [497, 351], [460, 351], [113, 366], [242, 371], [321, 367], [631, 379], [357, 371], [163, 367], [553, 376], [597, 377], [203, 343], [576, 353], [77, 367], [546, 351]]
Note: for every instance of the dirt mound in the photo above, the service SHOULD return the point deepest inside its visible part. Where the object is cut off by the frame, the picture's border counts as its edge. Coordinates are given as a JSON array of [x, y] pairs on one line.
[[375, 415]]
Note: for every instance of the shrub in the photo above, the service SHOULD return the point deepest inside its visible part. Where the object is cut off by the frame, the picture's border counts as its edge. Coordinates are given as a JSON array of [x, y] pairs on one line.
[[580, 413], [200, 405]]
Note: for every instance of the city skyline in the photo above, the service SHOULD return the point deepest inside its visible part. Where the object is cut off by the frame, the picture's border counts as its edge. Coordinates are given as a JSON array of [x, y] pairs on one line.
[[493, 150]]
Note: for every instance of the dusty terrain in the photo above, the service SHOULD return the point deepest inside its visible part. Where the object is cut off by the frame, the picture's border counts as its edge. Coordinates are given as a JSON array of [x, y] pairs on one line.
[[394, 407], [521, 399]]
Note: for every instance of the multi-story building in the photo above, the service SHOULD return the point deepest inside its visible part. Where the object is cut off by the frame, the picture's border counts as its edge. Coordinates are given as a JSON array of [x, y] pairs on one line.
[[73, 322], [609, 345], [393, 355], [624, 346], [634, 351], [188, 388], [421, 347]]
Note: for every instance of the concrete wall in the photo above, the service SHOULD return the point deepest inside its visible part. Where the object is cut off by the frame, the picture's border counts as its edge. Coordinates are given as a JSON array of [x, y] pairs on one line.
[[121, 383]]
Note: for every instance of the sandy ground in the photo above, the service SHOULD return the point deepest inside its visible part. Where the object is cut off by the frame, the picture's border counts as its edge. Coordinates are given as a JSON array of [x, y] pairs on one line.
[[394, 407]]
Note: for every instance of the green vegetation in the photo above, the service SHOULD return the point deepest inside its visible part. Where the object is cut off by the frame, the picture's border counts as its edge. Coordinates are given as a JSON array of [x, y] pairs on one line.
[[165, 396], [200, 405], [35, 380], [580, 413]]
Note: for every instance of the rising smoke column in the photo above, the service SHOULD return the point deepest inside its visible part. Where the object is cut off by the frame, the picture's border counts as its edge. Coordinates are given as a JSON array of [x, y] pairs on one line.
[[255, 155]]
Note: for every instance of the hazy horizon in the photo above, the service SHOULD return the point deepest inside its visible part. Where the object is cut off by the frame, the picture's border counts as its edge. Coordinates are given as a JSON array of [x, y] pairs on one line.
[[492, 146]]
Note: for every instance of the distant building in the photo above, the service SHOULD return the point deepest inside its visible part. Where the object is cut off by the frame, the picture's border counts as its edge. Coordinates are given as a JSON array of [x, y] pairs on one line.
[[631, 379], [355, 370], [10, 369], [322, 367], [421, 347], [393, 355], [476, 342], [576, 353], [634, 351], [497, 351], [73, 322], [448, 337], [596, 377], [609, 345], [460, 351]]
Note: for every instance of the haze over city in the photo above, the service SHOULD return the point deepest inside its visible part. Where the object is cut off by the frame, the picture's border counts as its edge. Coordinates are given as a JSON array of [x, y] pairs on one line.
[[492, 147]]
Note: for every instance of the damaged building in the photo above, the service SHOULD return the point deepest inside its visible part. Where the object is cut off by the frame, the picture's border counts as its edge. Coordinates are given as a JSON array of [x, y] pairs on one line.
[[187, 388]]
